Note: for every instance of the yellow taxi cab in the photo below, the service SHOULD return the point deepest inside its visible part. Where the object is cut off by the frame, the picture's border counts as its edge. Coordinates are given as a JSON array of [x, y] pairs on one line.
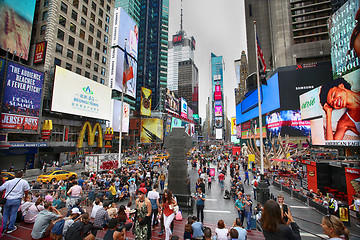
[[129, 161], [155, 159], [7, 175], [163, 156], [55, 175]]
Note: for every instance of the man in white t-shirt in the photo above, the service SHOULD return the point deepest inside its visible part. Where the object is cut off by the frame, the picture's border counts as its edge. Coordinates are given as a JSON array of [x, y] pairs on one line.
[[14, 191], [356, 204], [154, 197]]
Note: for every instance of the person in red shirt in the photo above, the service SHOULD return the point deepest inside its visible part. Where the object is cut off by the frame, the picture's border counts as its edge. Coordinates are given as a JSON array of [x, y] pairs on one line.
[[168, 205], [221, 180]]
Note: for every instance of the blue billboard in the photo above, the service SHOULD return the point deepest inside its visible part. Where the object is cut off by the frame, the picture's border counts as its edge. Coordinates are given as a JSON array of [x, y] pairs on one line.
[[270, 101]]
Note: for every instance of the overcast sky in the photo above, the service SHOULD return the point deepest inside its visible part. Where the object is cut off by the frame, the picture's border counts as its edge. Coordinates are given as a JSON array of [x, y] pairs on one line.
[[218, 26]]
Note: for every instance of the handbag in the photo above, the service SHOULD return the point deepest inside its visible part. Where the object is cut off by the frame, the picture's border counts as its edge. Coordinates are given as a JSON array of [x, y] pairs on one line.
[[3, 200]]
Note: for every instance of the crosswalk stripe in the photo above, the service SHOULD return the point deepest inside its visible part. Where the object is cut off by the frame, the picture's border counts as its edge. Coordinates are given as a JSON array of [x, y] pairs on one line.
[[305, 234], [216, 211], [211, 200], [300, 207]]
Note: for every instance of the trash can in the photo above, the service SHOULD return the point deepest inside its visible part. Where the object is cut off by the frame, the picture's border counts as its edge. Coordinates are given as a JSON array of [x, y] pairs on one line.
[[344, 213]]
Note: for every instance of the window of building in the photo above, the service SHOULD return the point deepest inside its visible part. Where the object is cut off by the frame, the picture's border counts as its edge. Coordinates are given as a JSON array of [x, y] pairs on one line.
[[96, 67], [71, 41], [93, 6], [81, 46], [92, 17], [84, 10], [63, 7], [91, 28], [89, 51], [79, 59], [83, 22], [98, 33], [100, 23], [69, 54], [101, 12], [103, 71], [88, 63], [97, 44], [72, 27], [103, 60], [60, 35], [78, 70], [44, 15], [105, 39], [95, 78], [106, 28], [105, 49], [107, 19], [82, 34], [90, 39], [42, 29], [97, 55], [57, 62], [102, 81], [250, 10], [108, 8], [59, 48], [87, 74], [46, 3], [76, 3], [86, 1], [62, 21], [35, 18], [68, 66], [74, 15]]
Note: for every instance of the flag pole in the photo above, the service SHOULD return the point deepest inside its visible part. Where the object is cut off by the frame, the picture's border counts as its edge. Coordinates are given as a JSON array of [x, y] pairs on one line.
[[259, 103], [121, 113]]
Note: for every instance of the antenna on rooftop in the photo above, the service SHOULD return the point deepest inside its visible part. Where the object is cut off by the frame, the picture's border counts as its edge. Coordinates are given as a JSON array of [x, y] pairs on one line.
[[181, 18]]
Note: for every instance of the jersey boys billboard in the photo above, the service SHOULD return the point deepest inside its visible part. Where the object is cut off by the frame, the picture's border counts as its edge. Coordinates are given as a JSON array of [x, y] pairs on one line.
[[22, 98]]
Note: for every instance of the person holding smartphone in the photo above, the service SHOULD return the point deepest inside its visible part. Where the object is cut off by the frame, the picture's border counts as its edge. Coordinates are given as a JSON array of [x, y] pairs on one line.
[[284, 207]]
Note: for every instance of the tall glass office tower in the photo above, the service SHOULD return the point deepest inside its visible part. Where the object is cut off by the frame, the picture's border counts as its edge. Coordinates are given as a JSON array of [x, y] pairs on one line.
[[131, 7]]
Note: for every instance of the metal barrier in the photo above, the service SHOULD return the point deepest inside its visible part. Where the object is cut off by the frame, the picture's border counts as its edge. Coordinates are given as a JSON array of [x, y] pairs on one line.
[[319, 207]]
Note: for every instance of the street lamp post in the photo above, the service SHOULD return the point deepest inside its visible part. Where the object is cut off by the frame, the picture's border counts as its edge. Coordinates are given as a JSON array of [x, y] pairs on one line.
[[262, 188]]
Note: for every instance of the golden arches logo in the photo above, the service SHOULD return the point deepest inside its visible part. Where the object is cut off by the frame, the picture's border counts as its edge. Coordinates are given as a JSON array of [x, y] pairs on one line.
[[40, 47], [91, 135]]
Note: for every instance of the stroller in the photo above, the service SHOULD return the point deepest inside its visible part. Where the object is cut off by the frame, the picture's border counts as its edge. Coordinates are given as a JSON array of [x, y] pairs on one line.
[[227, 194]]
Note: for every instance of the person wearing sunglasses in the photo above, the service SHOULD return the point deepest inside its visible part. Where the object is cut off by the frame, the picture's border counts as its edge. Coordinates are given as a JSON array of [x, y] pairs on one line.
[[334, 227]]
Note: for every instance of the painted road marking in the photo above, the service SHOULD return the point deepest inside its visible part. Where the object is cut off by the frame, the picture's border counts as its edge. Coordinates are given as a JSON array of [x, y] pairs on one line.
[[211, 200], [305, 234], [216, 211], [300, 207]]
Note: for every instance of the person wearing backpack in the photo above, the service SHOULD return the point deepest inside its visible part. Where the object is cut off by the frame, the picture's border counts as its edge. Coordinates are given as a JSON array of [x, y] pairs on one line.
[[62, 225], [82, 230], [255, 184]]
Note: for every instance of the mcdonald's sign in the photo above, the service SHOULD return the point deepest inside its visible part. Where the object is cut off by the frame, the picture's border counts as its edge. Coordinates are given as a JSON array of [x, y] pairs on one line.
[[39, 56], [91, 135], [46, 129], [109, 134]]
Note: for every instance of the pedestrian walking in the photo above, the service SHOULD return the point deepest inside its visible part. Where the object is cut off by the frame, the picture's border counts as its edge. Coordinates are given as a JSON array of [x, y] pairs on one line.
[[200, 204], [248, 210], [246, 177], [209, 182], [15, 189], [168, 205], [221, 181], [254, 183]]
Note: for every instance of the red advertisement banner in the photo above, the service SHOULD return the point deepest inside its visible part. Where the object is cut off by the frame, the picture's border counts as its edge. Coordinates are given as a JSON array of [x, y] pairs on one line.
[[39, 55], [18, 122]]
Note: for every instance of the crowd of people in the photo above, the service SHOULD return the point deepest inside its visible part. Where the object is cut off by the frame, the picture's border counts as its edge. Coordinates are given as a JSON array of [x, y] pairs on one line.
[[134, 198]]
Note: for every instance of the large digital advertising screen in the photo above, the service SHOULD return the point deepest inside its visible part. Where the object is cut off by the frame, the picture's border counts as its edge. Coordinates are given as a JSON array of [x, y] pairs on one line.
[[171, 102], [338, 124], [124, 28], [294, 82], [251, 129], [218, 133], [168, 125], [287, 122], [175, 122], [15, 25], [218, 122], [21, 98], [184, 107], [151, 130], [115, 124], [84, 98], [218, 111], [271, 101], [233, 126], [238, 131]]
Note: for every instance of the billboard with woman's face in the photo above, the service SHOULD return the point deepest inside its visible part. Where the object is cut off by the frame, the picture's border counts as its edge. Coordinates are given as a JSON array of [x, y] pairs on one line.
[[339, 123]]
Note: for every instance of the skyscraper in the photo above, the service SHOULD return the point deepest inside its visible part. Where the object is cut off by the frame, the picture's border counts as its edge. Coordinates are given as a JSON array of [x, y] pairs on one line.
[[290, 31], [217, 77], [181, 48], [131, 7], [189, 84], [152, 58], [241, 71]]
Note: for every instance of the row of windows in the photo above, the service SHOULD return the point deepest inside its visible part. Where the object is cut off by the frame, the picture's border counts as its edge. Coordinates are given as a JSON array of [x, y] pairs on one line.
[[78, 70]]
